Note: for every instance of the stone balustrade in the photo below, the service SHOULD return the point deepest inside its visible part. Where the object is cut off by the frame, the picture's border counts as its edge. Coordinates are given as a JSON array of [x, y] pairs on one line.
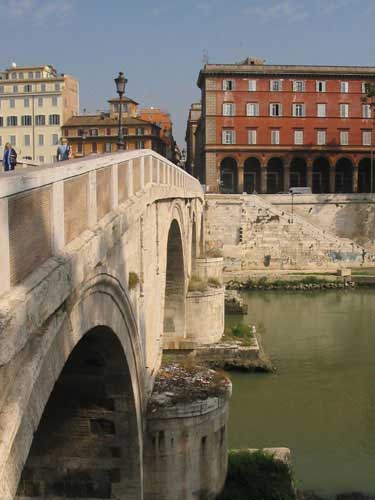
[[44, 209]]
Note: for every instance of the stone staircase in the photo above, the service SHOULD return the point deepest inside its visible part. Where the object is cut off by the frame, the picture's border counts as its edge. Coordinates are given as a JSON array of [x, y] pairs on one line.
[[273, 238]]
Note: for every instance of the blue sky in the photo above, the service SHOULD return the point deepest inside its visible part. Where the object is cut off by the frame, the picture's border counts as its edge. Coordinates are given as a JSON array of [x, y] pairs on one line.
[[159, 44]]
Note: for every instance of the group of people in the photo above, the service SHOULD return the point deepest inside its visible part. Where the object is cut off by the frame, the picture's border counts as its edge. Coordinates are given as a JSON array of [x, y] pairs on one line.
[[64, 152]]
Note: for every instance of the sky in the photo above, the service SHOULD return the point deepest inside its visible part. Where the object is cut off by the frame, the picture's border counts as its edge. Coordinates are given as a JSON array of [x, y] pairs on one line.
[[160, 44]]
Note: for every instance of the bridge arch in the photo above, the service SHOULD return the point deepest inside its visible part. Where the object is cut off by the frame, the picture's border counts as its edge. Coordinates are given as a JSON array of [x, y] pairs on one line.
[[175, 283], [98, 333]]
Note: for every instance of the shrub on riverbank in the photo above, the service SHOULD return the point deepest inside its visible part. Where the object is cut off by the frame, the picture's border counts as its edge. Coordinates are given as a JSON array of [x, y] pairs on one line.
[[241, 332], [257, 476]]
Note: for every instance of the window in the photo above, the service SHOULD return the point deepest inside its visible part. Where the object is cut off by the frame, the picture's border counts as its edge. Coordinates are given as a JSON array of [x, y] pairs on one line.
[[366, 137], [40, 120], [27, 88], [40, 102], [26, 140], [344, 87], [140, 131], [57, 87], [80, 132], [275, 109], [15, 89], [93, 132], [12, 103], [344, 110], [344, 137], [125, 107], [41, 159], [80, 148], [321, 110], [30, 74], [276, 85], [12, 140], [108, 147], [125, 131], [299, 86], [252, 109], [94, 147], [54, 119], [26, 102], [366, 111], [37, 75], [14, 76], [298, 137], [20, 76], [275, 136], [321, 137], [26, 120], [55, 139], [298, 109], [41, 140], [228, 109], [1, 121], [67, 132], [54, 100], [252, 136], [12, 121], [1, 89], [365, 86], [252, 85], [140, 144], [43, 87], [320, 86], [107, 131], [228, 85], [228, 136]]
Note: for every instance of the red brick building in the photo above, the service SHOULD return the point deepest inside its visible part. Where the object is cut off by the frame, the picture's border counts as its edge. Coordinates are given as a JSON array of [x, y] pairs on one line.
[[267, 128], [163, 120]]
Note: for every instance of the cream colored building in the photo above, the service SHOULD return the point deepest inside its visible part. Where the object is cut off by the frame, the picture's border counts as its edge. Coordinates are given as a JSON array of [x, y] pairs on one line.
[[35, 102]]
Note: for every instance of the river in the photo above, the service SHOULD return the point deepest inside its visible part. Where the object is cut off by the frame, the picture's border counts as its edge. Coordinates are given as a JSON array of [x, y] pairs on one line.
[[321, 401]]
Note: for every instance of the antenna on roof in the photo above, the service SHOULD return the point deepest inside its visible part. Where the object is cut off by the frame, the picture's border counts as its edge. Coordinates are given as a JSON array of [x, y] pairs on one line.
[[205, 57]]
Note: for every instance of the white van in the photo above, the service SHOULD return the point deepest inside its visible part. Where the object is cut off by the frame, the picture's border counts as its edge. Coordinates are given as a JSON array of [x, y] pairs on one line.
[[300, 190]]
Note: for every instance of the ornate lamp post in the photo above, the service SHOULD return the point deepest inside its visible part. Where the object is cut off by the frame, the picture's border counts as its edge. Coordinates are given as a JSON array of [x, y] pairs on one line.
[[120, 82]]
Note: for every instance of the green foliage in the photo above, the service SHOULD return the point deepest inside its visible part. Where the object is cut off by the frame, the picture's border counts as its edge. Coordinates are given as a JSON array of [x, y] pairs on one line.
[[196, 284], [214, 253], [133, 280], [240, 331], [214, 282], [257, 476]]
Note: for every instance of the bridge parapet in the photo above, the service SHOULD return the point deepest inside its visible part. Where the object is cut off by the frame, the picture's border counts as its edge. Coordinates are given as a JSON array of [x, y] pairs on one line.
[[44, 209]]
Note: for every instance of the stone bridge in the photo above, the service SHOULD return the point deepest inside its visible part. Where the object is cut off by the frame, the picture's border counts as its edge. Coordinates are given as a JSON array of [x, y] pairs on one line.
[[95, 260]]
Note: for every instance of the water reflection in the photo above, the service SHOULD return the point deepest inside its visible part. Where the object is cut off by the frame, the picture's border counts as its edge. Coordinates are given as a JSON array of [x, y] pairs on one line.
[[321, 401]]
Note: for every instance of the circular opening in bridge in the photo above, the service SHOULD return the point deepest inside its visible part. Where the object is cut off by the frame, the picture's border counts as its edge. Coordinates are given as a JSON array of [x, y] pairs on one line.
[[174, 308], [87, 445]]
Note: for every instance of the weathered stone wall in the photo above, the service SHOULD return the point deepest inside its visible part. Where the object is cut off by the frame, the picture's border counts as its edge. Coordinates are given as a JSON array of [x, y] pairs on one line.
[[205, 311], [209, 267], [256, 235], [186, 451], [344, 215]]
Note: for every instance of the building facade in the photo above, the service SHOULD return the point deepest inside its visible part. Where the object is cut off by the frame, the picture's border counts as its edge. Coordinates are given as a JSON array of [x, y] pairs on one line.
[[266, 128], [35, 101], [90, 134], [163, 120], [190, 137]]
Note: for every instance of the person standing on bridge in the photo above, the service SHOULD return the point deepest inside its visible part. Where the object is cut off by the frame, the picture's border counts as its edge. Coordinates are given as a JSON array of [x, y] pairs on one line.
[[9, 158], [64, 151]]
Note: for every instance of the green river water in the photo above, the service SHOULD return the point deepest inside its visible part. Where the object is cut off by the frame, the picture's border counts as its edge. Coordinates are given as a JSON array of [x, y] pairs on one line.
[[321, 401]]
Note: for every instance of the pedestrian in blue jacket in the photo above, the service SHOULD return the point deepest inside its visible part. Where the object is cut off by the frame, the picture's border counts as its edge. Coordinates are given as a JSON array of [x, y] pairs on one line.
[[9, 158]]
